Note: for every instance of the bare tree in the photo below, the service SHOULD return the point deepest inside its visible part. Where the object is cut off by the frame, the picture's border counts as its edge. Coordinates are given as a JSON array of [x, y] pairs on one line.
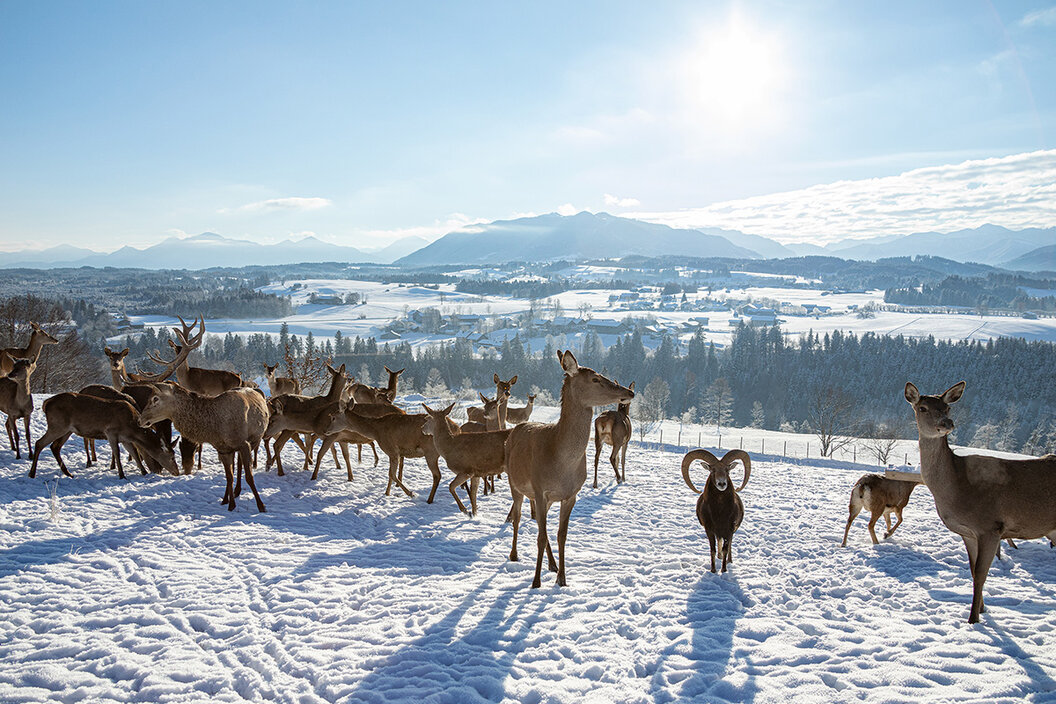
[[309, 368], [832, 417], [650, 408], [880, 441]]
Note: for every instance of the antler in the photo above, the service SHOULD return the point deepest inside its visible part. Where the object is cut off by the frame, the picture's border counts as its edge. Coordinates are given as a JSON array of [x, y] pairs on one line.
[[691, 457], [186, 346], [732, 456]]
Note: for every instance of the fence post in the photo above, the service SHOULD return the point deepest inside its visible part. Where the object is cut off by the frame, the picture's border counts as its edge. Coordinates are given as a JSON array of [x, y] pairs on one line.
[[742, 442], [680, 437], [762, 450], [808, 450], [905, 460], [854, 453], [720, 442], [661, 435], [698, 438], [785, 452]]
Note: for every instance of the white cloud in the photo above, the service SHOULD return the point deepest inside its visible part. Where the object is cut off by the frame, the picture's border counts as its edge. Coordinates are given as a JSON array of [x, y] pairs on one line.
[[566, 209], [280, 204], [1044, 18], [1016, 191], [379, 238], [611, 200]]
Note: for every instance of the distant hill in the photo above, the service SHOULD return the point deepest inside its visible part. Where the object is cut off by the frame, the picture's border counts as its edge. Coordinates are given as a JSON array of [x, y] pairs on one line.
[[396, 250], [1040, 259], [583, 236], [198, 252], [987, 244]]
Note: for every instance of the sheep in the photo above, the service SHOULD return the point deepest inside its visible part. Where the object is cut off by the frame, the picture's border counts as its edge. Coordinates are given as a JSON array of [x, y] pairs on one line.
[[882, 496], [719, 508]]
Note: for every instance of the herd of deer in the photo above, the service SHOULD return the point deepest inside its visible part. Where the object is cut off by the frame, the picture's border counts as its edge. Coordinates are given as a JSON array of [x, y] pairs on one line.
[[983, 499]]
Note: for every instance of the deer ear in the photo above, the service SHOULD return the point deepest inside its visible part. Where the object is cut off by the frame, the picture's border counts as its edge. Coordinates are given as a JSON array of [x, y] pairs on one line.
[[483, 398], [123, 353], [513, 380], [108, 351], [631, 386], [952, 394], [496, 378], [912, 395], [448, 410], [569, 363]]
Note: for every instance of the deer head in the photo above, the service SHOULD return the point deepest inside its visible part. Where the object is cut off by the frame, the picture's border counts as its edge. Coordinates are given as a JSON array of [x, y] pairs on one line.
[[718, 470], [588, 388], [625, 408], [159, 407], [432, 423], [933, 412], [42, 336], [502, 388]]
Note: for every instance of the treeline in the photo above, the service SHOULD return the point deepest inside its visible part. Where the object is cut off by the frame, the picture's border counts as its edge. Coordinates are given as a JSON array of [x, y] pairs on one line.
[[994, 291], [241, 303]]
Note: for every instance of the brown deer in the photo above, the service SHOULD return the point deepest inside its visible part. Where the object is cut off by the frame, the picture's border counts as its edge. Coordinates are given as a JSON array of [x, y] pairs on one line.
[[118, 374], [111, 394], [472, 456], [489, 414], [292, 414], [279, 385], [719, 508], [547, 462], [361, 393], [982, 499], [516, 416], [208, 382], [37, 339], [882, 496], [17, 402], [614, 428], [232, 422], [399, 435], [117, 422]]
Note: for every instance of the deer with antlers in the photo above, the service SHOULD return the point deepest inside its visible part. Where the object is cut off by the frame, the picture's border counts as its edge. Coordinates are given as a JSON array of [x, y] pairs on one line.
[[16, 402], [614, 428], [208, 382], [547, 462], [983, 499], [37, 339]]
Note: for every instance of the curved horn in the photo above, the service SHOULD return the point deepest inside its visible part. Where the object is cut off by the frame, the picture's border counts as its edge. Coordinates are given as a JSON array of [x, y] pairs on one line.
[[734, 455], [691, 457]]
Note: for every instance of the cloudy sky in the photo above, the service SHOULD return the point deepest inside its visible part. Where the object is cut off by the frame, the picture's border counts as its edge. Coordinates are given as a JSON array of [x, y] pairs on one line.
[[127, 122]]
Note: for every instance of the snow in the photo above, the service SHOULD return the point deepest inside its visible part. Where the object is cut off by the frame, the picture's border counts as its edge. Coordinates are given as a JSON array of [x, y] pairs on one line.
[[148, 590]]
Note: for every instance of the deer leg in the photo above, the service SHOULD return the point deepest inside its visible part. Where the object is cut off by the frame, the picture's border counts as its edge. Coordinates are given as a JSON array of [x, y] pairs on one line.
[[854, 509], [433, 460], [597, 453], [56, 449], [1011, 543], [12, 432], [348, 462], [328, 444], [308, 455], [515, 518], [227, 459], [872, 527], [88, 453], [49, 437], [984, 558], [458, 480], [562, 533], [541, 542], [614, 460], [473, 484], [725, 553], [359, 454], [244, 452], [115, 453], [187, 449], [238, 474], [29, 438], [200, 448], [711, 542], [623, 460], [898, 521], [375, 449], [401, 468], [284, 436]]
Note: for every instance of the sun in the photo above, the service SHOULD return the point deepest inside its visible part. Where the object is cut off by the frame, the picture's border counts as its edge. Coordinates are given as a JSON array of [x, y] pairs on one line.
[[735, 75]]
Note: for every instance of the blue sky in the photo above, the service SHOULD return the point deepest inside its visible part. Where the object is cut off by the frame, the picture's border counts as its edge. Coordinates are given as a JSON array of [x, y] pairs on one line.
[[129, 122]]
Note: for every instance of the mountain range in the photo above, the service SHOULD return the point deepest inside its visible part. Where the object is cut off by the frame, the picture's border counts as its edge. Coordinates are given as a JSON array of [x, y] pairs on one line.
[[209, 250], [551, 237]]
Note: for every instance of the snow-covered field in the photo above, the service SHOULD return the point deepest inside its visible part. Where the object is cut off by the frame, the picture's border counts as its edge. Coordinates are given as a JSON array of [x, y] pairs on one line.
[[387, 302], [148, 590]]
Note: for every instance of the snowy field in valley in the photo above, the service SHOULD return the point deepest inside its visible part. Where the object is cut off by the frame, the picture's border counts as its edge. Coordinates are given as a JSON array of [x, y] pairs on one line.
[[388, 302], [148, 590]]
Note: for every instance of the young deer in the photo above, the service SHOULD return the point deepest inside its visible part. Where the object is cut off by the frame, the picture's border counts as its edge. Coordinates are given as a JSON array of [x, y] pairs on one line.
[[472, 456], [614, 428], [17, 402], [882, 496], [292, 414], [399, 435], [516, 416], [547, 462], [279, 385], [116, 422], [361, 393], [719, 508], [37, 339], [232, 422], [982, 499]]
